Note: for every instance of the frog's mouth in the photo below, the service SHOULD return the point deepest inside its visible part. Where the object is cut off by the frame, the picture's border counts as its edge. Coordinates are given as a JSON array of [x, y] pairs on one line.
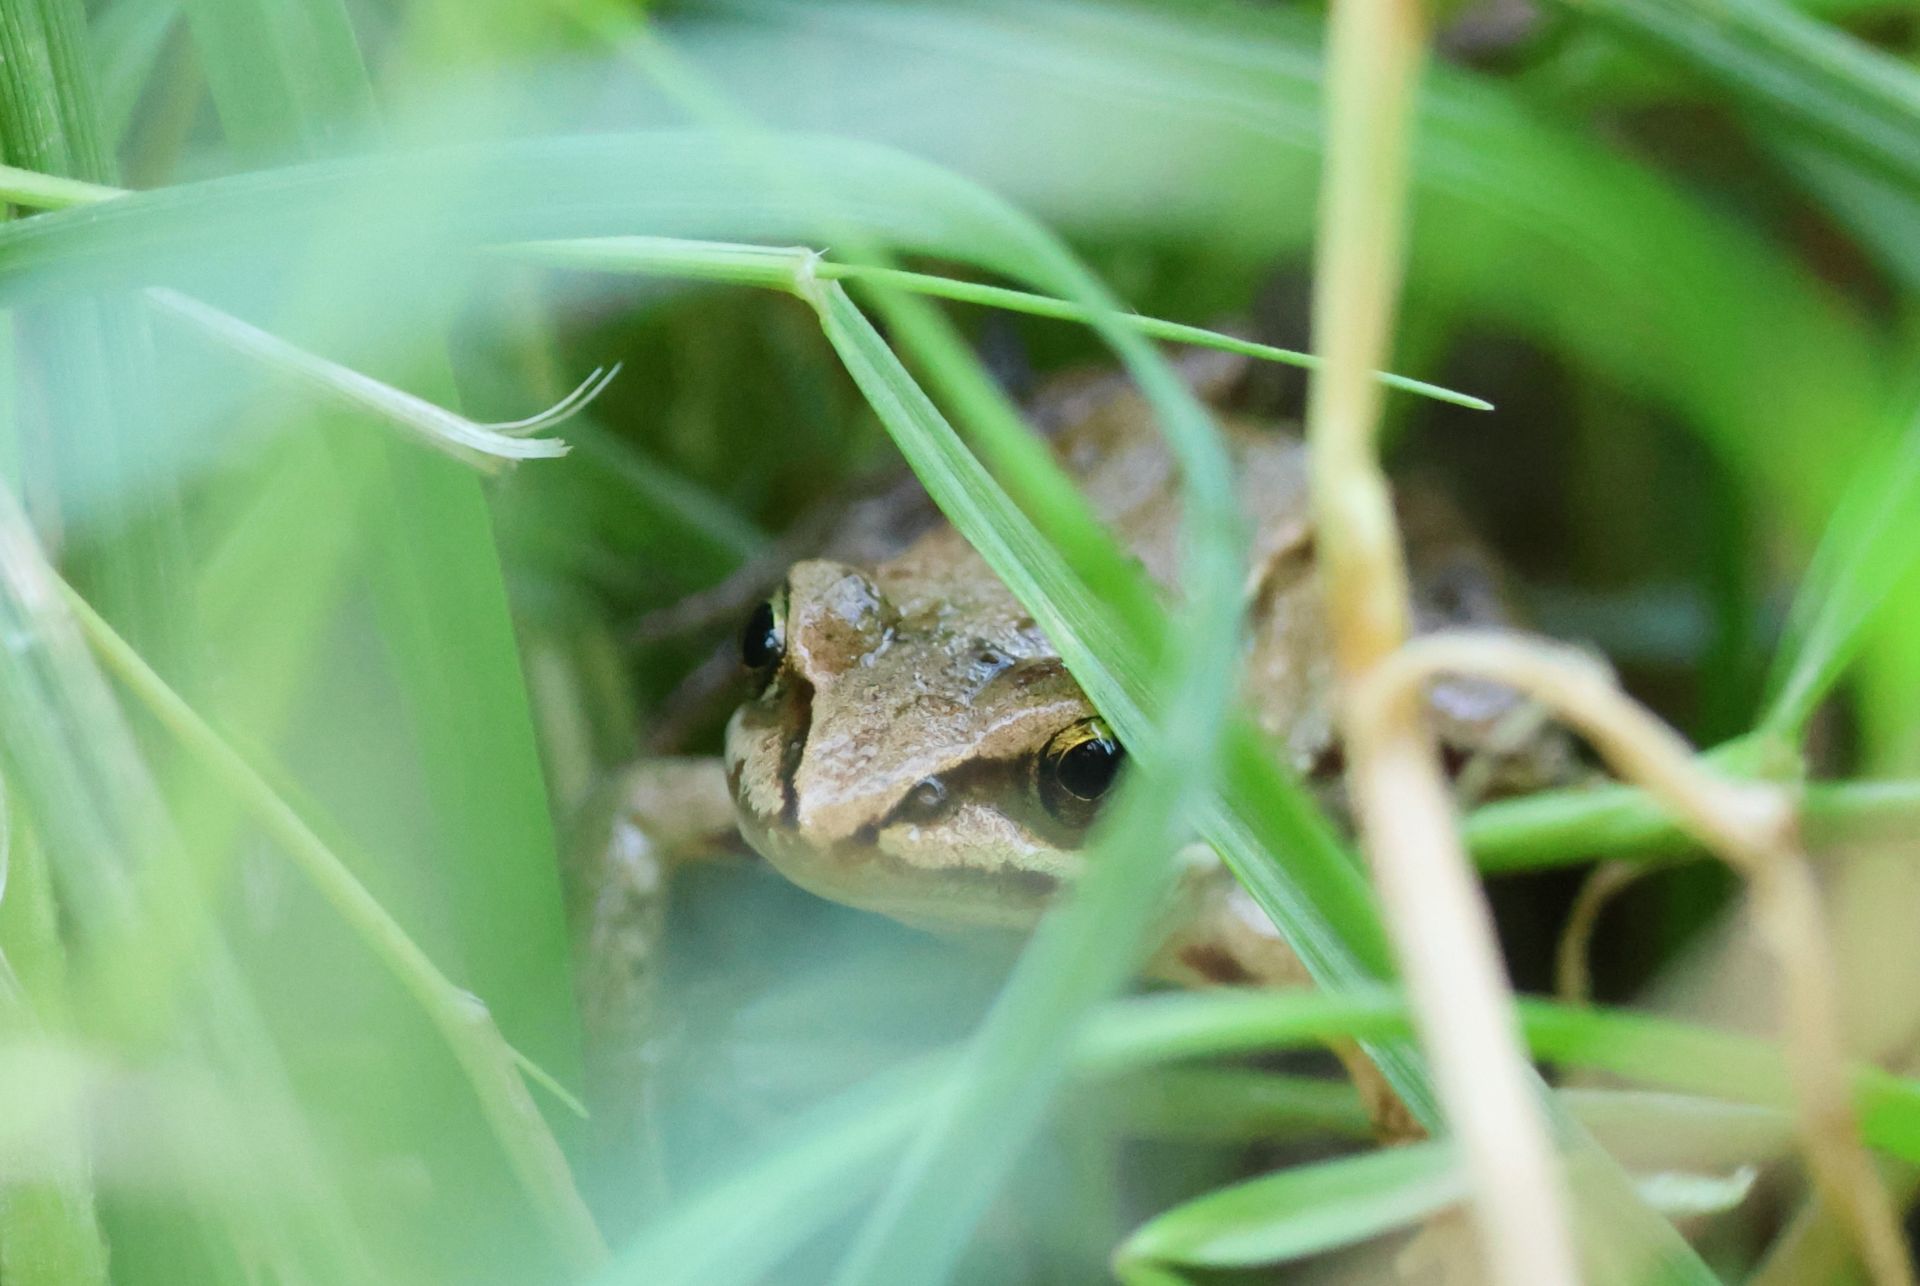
[[899, 871], [862, 873]]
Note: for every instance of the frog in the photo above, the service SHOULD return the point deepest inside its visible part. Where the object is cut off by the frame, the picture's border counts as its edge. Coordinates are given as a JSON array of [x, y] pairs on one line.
[[912, 743]]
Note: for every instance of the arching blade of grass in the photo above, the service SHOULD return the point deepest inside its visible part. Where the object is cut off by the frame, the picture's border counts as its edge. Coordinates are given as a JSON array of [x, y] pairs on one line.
[[1316, 1207], [76, 777], [1232, 1105], [491, 1066], [774, 267], [1654, 1051], [955, 1167], [1868, 552], [1299, 1212], [485, 447], [290, 78]]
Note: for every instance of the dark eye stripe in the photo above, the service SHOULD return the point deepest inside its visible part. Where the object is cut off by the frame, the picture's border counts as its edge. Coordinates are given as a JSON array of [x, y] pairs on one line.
[[1007, 783], [800, 694]]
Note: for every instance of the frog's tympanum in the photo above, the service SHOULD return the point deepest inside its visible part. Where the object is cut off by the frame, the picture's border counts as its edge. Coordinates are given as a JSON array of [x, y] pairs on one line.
[[914, 745]]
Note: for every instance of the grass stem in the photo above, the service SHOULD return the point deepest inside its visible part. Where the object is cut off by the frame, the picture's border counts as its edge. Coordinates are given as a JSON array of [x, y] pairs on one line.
[[1435, 912], [491, 1065], [1753, 827]]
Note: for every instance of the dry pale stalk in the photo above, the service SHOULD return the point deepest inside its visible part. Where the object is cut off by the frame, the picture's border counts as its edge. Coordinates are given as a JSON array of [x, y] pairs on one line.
[[1441, 931], [1571, 981], [1753, 827]]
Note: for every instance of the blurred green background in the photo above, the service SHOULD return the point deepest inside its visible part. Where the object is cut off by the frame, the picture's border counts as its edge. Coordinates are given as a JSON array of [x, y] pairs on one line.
[[1675, 245]]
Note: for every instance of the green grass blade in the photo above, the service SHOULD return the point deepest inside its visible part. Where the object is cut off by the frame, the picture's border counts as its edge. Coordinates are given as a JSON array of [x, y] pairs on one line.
[[777, 268], [128, 38], [1081, 954], [1302, 1211], [1798, 70], [492, 1067], [93, 355], [1231, 1105], [286, 77], [1143, 1032], [76, 776], [1868, 553], [50, 191], [49, 1230], [290, 77], [1566, 828]]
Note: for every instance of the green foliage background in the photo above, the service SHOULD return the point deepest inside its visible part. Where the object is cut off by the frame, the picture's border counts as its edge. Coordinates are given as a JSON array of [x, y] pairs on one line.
[[369, 696]]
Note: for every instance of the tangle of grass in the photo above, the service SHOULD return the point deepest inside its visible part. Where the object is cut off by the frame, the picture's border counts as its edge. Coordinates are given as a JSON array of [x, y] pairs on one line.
[[1753, 827]]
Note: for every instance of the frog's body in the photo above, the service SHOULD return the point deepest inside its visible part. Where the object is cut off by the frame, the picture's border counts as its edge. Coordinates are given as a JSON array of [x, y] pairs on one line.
[[915, 746], [898, 754]]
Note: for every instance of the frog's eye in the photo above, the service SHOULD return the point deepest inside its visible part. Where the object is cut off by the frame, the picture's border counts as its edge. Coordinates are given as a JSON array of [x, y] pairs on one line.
[[763, 640], [1079, 766]]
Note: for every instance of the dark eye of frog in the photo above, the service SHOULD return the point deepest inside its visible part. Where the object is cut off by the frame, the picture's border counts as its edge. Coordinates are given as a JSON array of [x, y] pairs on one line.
[[1077, 768], [763, 641]]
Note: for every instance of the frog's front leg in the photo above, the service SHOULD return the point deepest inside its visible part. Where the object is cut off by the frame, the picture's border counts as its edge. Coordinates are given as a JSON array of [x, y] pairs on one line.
[[1223, 938], [657, 814]]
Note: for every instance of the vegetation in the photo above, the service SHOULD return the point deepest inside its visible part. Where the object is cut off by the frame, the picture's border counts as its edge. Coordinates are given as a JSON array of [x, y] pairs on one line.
[[325, 646]]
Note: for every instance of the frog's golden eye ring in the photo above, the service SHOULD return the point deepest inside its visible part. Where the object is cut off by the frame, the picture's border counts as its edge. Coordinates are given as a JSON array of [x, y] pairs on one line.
[[1078, 767], [763, 640]]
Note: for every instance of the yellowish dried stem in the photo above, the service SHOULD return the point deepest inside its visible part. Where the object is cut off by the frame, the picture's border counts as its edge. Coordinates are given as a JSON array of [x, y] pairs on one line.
[[1441, 930], [1571, 980], [1753, 827]]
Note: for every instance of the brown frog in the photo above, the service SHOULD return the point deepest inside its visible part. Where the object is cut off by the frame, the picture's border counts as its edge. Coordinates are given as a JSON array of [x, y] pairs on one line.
[[913, 744]]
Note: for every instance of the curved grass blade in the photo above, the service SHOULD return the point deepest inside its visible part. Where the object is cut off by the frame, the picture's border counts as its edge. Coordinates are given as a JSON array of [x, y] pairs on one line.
[[777, 267], [1301, 1211], [975, 1126], [490, 1065], [1866, 555], [291, 78]]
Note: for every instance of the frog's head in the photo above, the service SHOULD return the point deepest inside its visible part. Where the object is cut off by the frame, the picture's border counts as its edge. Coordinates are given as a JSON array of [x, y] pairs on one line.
[[908, 758]]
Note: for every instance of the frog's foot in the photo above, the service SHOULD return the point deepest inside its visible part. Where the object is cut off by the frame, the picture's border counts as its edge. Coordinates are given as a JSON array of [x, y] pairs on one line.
[[658, 814]]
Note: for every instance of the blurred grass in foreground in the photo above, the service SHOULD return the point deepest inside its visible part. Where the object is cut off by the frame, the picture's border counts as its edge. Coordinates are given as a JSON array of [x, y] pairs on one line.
[[1671, 253]]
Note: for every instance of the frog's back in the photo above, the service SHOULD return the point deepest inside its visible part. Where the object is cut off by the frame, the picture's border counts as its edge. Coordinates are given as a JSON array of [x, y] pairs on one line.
[[1105, 435]]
